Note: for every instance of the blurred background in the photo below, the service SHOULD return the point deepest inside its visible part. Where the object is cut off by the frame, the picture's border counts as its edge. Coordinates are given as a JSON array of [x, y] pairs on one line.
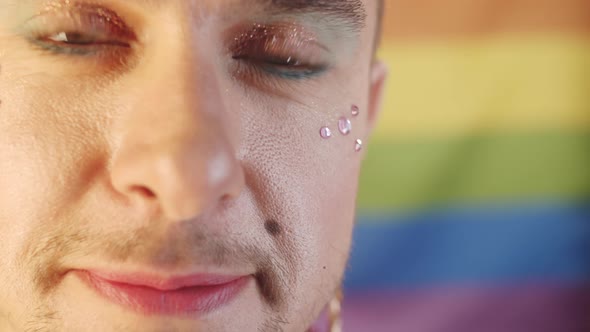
[[474, 208]]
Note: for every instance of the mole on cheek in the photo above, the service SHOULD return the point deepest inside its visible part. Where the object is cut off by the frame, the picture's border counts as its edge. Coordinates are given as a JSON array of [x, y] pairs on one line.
[[273, 227]]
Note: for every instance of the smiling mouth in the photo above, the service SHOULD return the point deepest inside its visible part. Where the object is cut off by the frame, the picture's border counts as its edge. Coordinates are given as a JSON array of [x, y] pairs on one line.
[[192, 295]]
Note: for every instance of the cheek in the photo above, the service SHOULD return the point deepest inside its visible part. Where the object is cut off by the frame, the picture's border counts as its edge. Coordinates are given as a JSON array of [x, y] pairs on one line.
[[334, 208], [20, 165], [46, 157], [311, 184], [335, 214]]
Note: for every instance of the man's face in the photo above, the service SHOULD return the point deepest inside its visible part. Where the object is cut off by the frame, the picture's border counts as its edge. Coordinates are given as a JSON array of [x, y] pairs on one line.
[[161, 163]]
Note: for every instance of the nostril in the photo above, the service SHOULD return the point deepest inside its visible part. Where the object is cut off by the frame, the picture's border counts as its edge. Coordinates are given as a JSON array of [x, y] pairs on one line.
[[143, 191], [227, 198]]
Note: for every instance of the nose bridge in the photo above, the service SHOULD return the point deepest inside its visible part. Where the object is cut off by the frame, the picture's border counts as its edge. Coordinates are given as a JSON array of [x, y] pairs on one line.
[[179, 99], [176, 150]]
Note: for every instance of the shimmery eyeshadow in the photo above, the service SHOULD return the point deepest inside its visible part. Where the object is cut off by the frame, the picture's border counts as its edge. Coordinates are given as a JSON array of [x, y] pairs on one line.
[[92, 15], [274, 37]]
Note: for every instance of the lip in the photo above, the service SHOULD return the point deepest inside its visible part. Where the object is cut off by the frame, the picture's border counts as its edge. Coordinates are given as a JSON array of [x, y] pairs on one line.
[[191, 295]]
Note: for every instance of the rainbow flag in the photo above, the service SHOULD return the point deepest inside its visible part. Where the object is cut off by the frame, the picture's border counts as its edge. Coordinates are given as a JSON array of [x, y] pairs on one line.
[[474, 207]]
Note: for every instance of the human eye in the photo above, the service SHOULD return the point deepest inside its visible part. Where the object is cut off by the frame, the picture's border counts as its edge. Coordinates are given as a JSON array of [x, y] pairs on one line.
[[282, 51], [80, 30]]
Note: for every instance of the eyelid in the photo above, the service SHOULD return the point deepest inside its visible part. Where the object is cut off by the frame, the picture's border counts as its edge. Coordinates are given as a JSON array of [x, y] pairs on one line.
[[279, 41], [80, 17], [261, 54], [295, 34]]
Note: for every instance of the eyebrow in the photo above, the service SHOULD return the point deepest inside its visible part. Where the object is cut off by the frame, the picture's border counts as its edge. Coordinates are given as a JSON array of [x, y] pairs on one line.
[[350, 12]]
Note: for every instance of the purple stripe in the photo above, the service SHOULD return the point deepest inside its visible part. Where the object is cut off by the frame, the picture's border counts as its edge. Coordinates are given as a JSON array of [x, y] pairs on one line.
[[543, 308]]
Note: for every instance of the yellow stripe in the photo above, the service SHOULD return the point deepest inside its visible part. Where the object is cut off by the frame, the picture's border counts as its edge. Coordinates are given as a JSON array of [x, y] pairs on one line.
[[472, 87]]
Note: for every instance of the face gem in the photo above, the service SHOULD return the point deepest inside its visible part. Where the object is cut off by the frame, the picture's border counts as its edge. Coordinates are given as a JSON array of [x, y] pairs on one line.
[[355, 110], [358, 146], [344, 126], [325, 133]]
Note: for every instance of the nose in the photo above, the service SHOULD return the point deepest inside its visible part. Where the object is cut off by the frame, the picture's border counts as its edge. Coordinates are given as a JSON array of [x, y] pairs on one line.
[[175, 150]]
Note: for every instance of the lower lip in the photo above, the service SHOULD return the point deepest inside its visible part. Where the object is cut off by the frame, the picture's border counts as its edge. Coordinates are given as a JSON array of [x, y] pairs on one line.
[[187, 301]]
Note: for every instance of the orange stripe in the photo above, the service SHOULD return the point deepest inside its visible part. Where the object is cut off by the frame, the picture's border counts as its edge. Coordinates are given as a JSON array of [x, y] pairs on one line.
[[418, 19]]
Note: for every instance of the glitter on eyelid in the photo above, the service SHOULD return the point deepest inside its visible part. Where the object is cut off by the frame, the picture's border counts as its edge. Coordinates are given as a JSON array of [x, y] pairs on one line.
[[98, 13], [262, 31], [276, 44], [56, 4]]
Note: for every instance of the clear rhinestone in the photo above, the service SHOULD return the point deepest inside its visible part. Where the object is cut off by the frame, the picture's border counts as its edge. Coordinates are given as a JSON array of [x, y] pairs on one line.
[[344, 126], [325, 133]]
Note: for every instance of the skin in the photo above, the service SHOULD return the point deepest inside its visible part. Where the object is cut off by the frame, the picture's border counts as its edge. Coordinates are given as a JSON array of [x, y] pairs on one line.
[[172, 155]]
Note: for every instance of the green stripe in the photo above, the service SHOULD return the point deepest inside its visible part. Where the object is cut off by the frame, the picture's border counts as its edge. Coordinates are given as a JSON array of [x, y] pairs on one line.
[[500, 168]]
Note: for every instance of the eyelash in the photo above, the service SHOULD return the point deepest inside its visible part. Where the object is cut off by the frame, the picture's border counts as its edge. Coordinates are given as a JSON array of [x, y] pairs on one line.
[[94, 25], [287, 67], [280, 50]]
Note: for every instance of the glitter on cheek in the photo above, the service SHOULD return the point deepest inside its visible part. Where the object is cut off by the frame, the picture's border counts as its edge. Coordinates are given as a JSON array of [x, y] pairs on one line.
[[355, 110]]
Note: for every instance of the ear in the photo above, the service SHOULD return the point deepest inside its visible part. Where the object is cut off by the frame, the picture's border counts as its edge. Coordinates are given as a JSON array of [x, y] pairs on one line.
[[378, 76]]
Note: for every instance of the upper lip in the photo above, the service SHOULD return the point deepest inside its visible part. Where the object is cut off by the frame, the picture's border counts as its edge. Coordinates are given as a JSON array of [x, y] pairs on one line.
[[169, 283]]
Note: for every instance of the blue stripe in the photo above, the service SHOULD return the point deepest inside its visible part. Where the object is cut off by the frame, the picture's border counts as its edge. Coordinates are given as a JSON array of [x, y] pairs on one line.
[[479, 246]]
